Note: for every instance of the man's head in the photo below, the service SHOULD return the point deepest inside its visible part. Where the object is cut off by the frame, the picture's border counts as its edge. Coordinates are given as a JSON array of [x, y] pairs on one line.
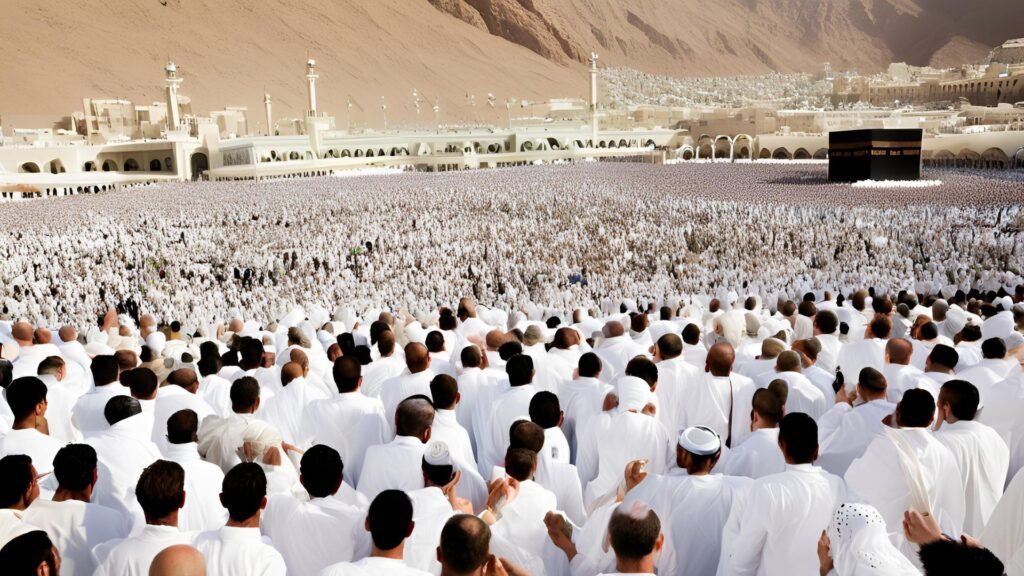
[[545, 410], [698, 449], [244, 491], [993, 349], [104, 369], [942, 358], [880, 327], [321, 471], [178, 560], [185, 378], [520, 370], [161, 492], [142, 382], [465, 545], [871, 384], [126, 359], [958, 400], [26, 397], [182, 427], [75, 467], [798, 438], [414, 417], [635, 533], [899, 351], [520, 463], [53, 366], [668, 346], [31, 553], [121, 408], [291, 372], [826, 322], [691, 334], [916, 409], [347, 373], [590, 365], [389, 520], [720, 359], [438, 468], [245, 395], [19, 485], [417, 359], [767, 409], [641, 367], [445, 392], [788, 361], [471, 357], [526, 434]]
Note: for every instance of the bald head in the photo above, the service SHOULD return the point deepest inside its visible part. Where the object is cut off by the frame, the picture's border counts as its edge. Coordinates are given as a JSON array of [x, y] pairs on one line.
[[43, 336], [467, 309], [236, 326], [299, 357], [788, 361], [186, 378], [899, 351], [290, 372], [494, 339], [720, 359], [68, 334], [178, 560], [614, 329], [22, 332], [416, 357]]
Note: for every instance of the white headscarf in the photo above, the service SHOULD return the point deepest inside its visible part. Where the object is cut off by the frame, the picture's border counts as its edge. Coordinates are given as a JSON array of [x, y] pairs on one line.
[[860, 545]]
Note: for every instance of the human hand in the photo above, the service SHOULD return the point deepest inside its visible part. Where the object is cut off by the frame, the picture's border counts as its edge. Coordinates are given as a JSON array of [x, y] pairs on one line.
[[921, 528], [824, 554], [635, 473], [560, 533]]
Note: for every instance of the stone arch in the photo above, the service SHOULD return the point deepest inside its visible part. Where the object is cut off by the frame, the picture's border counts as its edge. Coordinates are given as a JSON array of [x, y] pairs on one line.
[[494, 148], [1018, 158], [801, 154], [686, 152], [602, 144], [705, 146], [527, 146], [944, 158], [169, 164], [727, 150], [293, 155], [155, 166], [968, 158], [359, 153], [623, 143], [309, 155], [744, 152], [29, 168], [369, 153], [613, 144], [995, 158], [821, 154], [346, 153], [765, 154], [554, 144], [200, 163], [650, 143], [56, 167], [781, 154], [131, 165]]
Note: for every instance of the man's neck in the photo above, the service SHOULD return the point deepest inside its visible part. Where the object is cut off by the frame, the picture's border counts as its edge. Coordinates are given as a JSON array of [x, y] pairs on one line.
[[719, 373], [169, 520], [395, 553], [644, 565], [63, 495], [26, 424], [250, 522]]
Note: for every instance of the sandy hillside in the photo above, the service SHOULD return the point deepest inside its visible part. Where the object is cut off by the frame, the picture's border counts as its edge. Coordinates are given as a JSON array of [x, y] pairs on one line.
[[56, 52]]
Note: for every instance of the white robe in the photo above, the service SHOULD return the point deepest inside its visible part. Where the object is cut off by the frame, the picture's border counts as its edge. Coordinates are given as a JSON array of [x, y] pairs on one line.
[[511, 405], [203, 510], [521, 521], [581, 400], [845, 432], [314, 534], [169, 400], [859, 354], [899, 378], [76, 528], [803, 396], [676, 378], [60, 401], [234, 551], [284, 410], [759, 455], [984, 459], [397, 465], [399, 388], [380, 371], [217, 393], [828, 358], [431, 510], [371, 566], [694, 527], [40, 447], [717, 400], [1004, 534], [893, 493], [350, 423], [1002, 411], [133, 555], [777, 530], [87, 415], [622, 438], [123, 451], [446, 429]]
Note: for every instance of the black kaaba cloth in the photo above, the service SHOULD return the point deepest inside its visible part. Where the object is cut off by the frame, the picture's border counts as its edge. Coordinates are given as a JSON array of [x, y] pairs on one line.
[[875, 154]]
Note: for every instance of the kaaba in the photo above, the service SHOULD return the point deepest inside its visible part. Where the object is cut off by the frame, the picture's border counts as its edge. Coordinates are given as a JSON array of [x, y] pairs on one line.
[[855, 155]]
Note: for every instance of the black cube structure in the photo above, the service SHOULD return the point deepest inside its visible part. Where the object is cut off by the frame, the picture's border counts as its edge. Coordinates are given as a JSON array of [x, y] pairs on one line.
[[855, 155]]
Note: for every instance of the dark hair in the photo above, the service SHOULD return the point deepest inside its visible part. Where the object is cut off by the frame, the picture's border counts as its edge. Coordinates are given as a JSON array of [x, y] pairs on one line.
[[670, 346], [347, 372], [21, 556], [526, 434], [251, 351], [444, 389], [50, 365], [434, 341], [929, 331], [827, 322], [24, 394], [520, 463], [104, 369], [209, 358], [916, 409], [378, 327], [322, 471], [545, 410], [691, 334], [519, 369], [872, 379], [768, 406], [244, 393], [413, 416], [141, 381], [633, 538], [15, 478], [944, 355], [74, 465], [590, 365], [799, 433], [643, 368], [389, 518], [509, 349], [807, 308], [438, 474], [386, 342], [963, 398], [119, 408], [182, 427], [465, 543], [881, 326], [993, 348], [243, 490], [949, 558], [470, 356], [160, 488]]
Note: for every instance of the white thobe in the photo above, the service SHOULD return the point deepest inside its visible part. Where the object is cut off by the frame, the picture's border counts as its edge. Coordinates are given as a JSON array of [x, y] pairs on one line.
[[446, 429], [556, 445], [221, 439], [396, 465], [60, 401], [624, 437], [521, 521], [1003, 407], [40, 447], [313, 534], [899, 378], [380, 371], [695, 355], [675, 380], [123, 451], [716, 401], [1004, 534], [431, 510], [76, 528], [759, 455], [471, 381], [822, 380], [856, 355], [399, 388], [511, 405], [235, 551], [284, 410], [777, 530], [372, 566], [217, 393], [133, 555], [169, 400], [983, 459], [29, 357], [892, 494], [803, 396], [581, 400], [694, 527], [350, 423], [617, 352], [983, 378], [203, 480], [845, 432], [12, 525], [87, 415], [828, 358]]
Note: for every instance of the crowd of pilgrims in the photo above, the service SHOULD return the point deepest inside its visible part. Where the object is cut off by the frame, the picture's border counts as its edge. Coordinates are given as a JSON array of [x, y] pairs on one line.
[[225, 418]]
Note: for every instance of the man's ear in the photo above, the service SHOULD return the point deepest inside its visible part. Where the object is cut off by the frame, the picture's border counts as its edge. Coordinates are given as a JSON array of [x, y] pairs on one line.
[[660, 542], [221, 498], [561, 418], [182, 503], [440, 559], [412, 526], [366, 524], [263, 503]]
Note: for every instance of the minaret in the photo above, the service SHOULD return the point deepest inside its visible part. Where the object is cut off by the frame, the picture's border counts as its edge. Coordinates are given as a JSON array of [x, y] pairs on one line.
[[311, 77], [593, 97], [270, 124], [173, 81]]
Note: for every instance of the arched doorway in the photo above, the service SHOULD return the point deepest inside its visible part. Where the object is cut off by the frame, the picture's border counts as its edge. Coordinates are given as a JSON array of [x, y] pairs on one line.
[[765, 154], [29, 168], [995, 158], [781, 154], [154, 166], [821, 154], [704, 146], [131, 165], [200, 163], [89, 167], [722, 147], [109, 166], [56, 166], [801, 154], [743, 150]]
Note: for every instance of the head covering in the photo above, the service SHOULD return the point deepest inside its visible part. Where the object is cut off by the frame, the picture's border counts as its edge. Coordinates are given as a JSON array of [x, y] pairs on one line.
[[156, 342], [700, 441], [633, 393], [437, 454], [860, 544], [955, 321]]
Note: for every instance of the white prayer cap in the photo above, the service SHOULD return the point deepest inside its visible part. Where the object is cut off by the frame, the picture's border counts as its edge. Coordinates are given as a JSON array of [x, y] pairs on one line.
[[1013, 340], [955, 321], [156, 342], [437, 454], [1006, 303], [700, 441], [659, 329], [633, 393]]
